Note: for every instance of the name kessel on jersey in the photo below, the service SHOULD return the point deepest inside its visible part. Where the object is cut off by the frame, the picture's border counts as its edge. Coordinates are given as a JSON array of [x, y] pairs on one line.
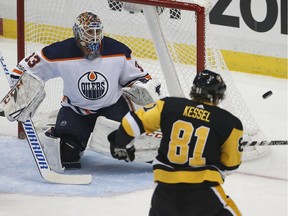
[[198, 113]]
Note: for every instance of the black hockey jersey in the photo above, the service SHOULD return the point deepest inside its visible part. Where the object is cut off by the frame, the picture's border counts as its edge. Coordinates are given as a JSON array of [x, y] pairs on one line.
[[200, 142]]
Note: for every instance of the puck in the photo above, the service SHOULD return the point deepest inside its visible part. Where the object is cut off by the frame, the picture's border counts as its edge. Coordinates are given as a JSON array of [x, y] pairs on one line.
[[267, 94]]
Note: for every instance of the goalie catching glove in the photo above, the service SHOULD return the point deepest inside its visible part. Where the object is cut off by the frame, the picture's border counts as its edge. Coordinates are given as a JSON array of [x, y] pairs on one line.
[[23, 99], [126, 153], [143, 91]]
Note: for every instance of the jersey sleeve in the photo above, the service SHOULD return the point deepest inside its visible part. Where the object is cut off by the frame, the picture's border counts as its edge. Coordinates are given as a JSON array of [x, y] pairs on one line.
[[37, 65], [231, 151], [146, 119], [131, 71]]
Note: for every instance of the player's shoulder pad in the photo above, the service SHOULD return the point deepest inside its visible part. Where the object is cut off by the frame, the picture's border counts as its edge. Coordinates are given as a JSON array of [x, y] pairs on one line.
[[231, 118], [174, 100], [62, 50], [169, 102], [111, 46]]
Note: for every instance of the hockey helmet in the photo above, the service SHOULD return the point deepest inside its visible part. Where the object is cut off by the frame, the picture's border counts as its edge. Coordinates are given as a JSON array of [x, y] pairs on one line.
[[88, 32], [208, 86]]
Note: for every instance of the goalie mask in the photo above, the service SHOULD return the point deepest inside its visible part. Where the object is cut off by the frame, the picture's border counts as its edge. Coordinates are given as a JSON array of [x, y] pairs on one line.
[[209, 87], [88, 33]]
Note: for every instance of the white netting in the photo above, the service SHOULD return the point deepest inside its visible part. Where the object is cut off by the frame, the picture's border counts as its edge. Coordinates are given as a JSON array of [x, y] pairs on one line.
[[51, 20]]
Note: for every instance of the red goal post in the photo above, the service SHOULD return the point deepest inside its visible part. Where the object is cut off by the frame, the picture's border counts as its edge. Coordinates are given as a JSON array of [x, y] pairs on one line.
[[171, 39]]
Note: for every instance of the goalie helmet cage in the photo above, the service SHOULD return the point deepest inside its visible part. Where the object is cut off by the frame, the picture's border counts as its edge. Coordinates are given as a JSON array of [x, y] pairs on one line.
[[170, 39]]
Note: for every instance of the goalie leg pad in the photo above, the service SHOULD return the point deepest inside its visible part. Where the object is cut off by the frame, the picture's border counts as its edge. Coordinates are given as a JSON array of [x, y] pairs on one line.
[[51, 148], [23, 98]]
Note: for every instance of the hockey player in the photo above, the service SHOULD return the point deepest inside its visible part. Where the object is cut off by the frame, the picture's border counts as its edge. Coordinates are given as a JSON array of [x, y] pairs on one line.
[[200, 145], [95, 70]]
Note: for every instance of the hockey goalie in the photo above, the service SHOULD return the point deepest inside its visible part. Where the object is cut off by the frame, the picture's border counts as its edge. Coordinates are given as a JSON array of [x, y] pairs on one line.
[[100, 78]]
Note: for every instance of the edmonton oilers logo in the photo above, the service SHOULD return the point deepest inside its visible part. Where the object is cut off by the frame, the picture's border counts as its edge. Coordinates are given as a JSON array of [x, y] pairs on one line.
[[93, 85]]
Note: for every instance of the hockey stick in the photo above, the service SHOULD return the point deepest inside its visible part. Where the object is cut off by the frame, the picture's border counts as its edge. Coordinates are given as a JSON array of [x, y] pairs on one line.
[[147, 144], [264, 143], [38, 153]]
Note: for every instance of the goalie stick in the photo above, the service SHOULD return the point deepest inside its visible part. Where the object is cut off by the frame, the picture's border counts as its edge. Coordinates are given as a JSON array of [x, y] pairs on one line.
[[37, 150]]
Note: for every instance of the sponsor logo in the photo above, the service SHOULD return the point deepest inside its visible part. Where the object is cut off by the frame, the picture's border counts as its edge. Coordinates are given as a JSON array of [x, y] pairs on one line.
[[13, 92], [35, 145], [275, 9]]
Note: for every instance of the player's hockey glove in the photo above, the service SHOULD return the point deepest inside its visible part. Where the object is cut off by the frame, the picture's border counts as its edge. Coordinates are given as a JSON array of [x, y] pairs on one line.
[[121, 153]]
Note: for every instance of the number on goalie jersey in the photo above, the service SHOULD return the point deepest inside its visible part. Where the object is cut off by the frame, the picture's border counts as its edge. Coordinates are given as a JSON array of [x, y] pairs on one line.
[[94, 69], [200, 144]]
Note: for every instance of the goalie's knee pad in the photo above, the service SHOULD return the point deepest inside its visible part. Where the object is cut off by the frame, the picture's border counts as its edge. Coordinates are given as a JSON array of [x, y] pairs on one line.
[[70, 152]]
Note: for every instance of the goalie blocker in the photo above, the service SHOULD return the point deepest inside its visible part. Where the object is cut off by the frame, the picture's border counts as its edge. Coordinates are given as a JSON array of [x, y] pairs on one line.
[[20, 102]]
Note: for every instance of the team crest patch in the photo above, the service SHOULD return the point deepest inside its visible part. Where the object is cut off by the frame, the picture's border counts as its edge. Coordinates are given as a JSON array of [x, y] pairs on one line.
[[93, 85]]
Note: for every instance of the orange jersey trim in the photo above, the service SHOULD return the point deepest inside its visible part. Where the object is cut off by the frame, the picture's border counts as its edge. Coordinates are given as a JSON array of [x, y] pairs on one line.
[[17, 71]]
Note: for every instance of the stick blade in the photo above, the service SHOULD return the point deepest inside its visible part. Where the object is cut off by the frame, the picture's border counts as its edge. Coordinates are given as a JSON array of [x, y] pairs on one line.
[[57, 178]]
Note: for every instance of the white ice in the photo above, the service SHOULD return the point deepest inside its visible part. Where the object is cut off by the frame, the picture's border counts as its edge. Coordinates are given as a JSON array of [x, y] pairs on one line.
[[259, 188]]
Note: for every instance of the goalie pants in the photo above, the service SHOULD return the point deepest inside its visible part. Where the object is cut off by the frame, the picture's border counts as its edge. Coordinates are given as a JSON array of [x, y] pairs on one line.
[[81, 126], [186, 200]]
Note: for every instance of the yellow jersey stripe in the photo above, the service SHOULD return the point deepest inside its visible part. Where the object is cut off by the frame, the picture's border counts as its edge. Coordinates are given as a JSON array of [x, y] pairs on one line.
[[232, 158], [191, 177]]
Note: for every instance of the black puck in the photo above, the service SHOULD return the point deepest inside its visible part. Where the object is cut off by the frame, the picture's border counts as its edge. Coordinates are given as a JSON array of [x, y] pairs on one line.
[[267, 94]]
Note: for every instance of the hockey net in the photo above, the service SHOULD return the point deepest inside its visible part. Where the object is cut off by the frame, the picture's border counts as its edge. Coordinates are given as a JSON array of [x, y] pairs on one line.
[[170, 39]]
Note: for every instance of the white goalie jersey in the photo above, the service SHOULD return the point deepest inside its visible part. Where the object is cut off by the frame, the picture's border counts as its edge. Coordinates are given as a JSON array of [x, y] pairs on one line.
[[88, 84]]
